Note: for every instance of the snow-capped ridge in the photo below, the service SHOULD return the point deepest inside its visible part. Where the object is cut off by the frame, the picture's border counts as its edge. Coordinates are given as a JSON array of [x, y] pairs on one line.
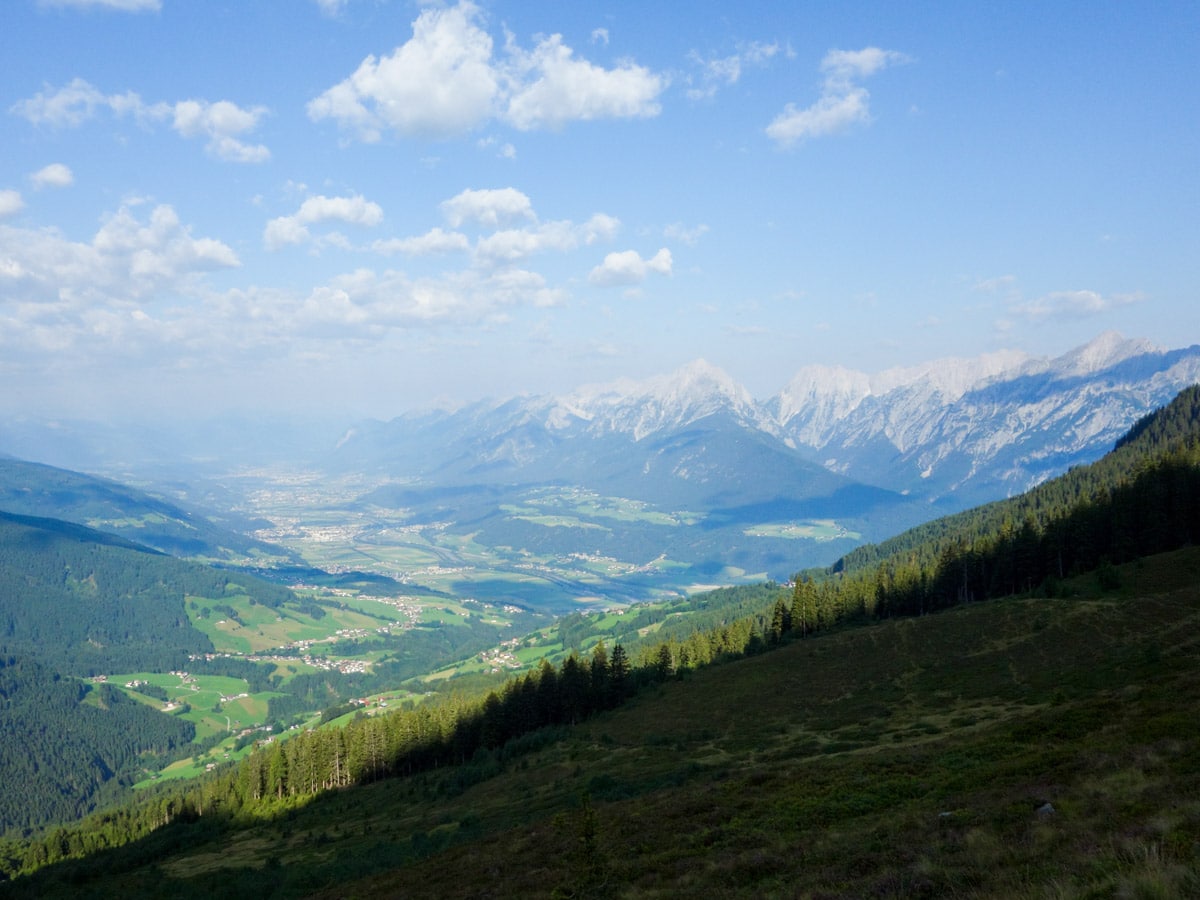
[[1102, 352], [690, 393], [953, 430]]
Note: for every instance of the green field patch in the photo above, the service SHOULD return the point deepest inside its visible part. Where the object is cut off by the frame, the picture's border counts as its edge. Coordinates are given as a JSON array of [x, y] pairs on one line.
[[443, 614], [128, 521], [820, 530], [584, 504], [538, 516], [253, 628]]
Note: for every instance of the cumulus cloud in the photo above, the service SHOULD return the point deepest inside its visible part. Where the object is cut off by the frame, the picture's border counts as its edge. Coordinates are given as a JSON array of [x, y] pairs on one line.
[[71, 105], [136, 287], [355, 210], [512, 244], [512, 226], [54, 175], [555, 88], [843, 101], [366, 306], [126, 260], [441, 82], [445, 81], [137, 290], [120, 5], [627, 268], [283, 231], [10, 202], [223, 123], [488, 207]]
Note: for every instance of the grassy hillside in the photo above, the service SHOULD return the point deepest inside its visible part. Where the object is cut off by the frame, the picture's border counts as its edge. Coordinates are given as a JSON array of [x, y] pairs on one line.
[[1019, 747], [1042, 743]]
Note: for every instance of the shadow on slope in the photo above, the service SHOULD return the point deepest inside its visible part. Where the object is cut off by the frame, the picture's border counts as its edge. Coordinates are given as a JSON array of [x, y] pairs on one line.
[[998, 749]]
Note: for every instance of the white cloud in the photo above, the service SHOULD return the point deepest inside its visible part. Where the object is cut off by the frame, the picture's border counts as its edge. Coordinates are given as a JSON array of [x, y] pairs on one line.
[[445, 81], [503, 151], [502, 246], [331, 7], [440, 83], [432, 242], [490, 207], [54, 175], [829, 115], [679, 232], [78, 101], [845, 66], [557, 88], [512, 244], [120, 5], [723, 71], [365, 305], [70, 105], [627, 267], [843, 102], [283, 231], [1001, 283], [136, 289], [127, 260], [1072, 305], [10, 202], [136, 293], [223, 122], [355, 210], [600, 36], [600, 227]]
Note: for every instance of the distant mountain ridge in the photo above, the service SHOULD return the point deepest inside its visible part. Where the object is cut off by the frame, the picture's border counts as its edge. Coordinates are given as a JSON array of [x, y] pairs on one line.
[[33, 489], [959, 431]]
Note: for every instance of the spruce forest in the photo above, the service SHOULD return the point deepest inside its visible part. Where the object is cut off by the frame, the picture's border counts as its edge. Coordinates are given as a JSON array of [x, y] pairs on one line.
[[992, 638]]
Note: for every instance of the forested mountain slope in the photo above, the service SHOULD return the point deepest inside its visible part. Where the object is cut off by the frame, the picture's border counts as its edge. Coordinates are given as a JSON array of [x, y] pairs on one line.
[[1140, 498], [86, 602], [988, 751], [33, 489], [75, 603], [997, 750], [68, 746]]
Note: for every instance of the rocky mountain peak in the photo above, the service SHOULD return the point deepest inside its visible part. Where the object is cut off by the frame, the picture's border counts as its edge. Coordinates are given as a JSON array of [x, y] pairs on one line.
[[1102, 352]]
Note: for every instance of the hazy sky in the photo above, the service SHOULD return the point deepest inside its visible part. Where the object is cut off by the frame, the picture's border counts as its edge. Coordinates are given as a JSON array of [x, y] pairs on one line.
[[374, 205]]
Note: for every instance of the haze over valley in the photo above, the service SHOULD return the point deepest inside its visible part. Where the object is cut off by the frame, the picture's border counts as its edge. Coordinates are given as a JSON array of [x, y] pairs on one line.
[[475, 448]]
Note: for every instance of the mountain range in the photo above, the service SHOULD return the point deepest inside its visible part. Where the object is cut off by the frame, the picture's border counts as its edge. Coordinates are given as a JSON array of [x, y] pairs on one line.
[[953, 432], [686, 468]]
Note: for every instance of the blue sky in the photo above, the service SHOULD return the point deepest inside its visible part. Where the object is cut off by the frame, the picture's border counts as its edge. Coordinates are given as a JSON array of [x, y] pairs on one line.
[[369, 206]]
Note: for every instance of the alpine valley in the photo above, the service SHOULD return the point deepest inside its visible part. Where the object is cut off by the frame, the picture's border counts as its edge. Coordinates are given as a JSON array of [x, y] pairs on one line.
[[998, 702], [633, 491], [623, 491]]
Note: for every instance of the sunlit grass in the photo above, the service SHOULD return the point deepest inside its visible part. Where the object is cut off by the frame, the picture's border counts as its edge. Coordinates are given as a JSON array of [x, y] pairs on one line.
[[810, 530]]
